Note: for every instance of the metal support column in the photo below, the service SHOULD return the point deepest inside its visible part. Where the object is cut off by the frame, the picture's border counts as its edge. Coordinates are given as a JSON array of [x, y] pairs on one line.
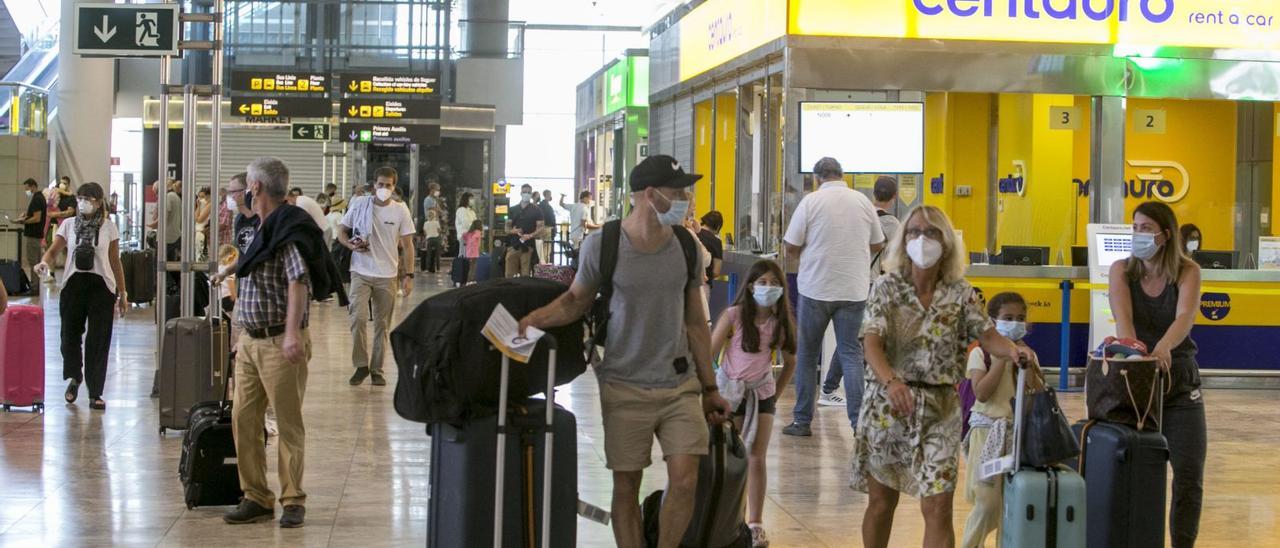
[[162, 257], [187, 244], [1106, 169]]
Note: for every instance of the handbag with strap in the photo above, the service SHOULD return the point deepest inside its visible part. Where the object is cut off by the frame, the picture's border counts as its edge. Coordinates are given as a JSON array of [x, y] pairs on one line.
[[1047, 438], [1124, 391]]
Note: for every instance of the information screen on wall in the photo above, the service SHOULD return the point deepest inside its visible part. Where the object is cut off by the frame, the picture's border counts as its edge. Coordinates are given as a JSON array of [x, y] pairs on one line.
[[863, 137]]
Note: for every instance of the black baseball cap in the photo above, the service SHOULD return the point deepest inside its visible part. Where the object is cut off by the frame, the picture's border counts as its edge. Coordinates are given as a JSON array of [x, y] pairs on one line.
[[661, 171]]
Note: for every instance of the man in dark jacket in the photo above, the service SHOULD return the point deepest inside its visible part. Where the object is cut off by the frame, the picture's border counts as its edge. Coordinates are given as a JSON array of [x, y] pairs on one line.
[[286, 265]]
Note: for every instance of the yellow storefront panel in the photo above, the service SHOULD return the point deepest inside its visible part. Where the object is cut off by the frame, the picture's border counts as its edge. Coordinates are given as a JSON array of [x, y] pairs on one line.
[[1044, 297], [1230, 24], [703, 145], [720, 30], [726, 157], [1191, 166]]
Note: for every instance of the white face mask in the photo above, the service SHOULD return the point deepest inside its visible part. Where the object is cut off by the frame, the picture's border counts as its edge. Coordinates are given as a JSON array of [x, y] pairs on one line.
[[924, 252], [675, 215], [85, 206], [29, 193], [1012, 330], [231, 203], [1144, 245], [766, 295], [1193, 246], [383, 194]]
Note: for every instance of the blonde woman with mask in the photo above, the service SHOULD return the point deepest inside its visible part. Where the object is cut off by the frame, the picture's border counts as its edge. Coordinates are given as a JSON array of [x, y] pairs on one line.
[[920, 319]]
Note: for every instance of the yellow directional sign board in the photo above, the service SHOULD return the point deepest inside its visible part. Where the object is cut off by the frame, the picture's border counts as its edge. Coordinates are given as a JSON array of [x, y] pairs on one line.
[[300, 107], [291, 82], [359, 107], [390, 84]]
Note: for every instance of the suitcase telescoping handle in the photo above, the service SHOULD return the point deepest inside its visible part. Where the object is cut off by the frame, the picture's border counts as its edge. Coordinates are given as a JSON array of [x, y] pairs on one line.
[[548, 445], [1019, 403]]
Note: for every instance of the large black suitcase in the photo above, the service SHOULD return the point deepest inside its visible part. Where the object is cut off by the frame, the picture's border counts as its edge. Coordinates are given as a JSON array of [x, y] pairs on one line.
[[448, 371], [465, 509], [208, 468], [139, 274], [15, 279], [1125, 471], [717, 520], [189, 371]]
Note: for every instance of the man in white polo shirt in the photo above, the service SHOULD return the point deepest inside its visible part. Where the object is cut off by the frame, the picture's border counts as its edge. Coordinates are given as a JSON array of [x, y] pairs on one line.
[[834, 233]]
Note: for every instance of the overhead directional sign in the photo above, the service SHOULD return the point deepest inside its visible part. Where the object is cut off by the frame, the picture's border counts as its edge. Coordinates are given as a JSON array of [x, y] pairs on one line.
[[389, 108], [404, 134], [389, 84], [297, 107], [300, 82], [311, 132], [139, 30]]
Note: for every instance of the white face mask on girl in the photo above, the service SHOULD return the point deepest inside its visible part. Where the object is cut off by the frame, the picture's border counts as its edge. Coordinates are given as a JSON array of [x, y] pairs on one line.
[[1012, 330], [766, 295], [85, 206], [924, 251]]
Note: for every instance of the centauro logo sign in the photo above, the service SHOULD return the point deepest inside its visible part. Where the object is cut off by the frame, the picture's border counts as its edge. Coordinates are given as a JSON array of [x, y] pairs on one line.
[[1153, 182], [1154, 11]]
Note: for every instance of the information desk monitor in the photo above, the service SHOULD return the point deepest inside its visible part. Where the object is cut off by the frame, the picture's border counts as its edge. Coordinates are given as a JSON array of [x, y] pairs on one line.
[[1024, 255]]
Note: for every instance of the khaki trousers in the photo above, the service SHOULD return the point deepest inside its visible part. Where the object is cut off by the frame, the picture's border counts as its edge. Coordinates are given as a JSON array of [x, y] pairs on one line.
[[264, 377], [382, 292], [519, 262]]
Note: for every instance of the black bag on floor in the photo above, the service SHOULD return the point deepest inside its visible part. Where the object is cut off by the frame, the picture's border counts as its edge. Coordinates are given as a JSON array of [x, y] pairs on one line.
[[718, 519], [448, 371], [208, 468], [15, 279], [1125, 473], [1046, 435]]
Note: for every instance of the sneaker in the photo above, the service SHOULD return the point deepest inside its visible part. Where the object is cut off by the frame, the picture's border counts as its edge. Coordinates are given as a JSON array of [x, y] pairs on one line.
[[831, 399], [758, 538], [358, 377], [248, 512], [797, 429], [293, 516], [378, 379]]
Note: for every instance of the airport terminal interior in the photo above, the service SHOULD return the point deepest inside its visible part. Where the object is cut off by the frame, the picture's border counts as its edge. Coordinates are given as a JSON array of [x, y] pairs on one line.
[[1052, 138]]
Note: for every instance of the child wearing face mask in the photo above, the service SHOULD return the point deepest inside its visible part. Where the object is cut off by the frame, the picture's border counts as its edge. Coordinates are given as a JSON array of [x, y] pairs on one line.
[[752, 333], [991, 420]]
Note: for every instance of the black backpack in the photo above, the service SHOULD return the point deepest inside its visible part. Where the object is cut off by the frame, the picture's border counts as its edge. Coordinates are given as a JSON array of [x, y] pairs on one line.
[[611, 238]]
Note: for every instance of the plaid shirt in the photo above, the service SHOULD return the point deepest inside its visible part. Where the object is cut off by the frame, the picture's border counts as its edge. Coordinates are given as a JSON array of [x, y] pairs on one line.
[[226, 219], [264, 294]]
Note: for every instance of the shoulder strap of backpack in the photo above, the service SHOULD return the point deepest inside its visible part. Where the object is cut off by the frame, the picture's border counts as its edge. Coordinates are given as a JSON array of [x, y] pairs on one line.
[[690, 248], [609, 242], [883, 213]]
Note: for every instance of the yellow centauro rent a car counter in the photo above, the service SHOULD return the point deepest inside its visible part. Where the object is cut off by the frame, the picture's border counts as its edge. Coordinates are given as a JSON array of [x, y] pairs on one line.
[[1040, 118]]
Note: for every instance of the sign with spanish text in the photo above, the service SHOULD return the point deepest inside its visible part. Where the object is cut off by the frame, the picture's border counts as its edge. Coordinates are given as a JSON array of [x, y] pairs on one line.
[[288, 82], [360, 107], [300, 107], [390, 84], [389, 133]]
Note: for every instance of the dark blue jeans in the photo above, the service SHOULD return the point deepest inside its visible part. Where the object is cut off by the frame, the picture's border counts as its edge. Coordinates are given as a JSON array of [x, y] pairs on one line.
[[814, 316]]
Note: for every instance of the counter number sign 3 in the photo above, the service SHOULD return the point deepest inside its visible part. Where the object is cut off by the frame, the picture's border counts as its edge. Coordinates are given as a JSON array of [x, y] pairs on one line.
[[135, 30]]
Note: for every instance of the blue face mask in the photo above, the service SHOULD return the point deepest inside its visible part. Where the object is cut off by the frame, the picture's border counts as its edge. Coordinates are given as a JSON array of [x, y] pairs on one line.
[[766, 295], [674, 216], [1144, 245], [1012, 330]]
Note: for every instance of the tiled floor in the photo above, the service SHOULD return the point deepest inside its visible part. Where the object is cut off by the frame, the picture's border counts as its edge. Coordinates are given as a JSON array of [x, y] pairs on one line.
[[72, 477]]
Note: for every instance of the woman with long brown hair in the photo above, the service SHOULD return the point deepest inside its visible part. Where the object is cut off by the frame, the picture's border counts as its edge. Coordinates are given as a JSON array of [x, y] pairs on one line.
[[755, 330], [1155, 295]]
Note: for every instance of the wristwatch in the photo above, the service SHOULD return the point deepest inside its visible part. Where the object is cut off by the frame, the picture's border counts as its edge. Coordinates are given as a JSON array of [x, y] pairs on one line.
[[889, 382], [710, 388]]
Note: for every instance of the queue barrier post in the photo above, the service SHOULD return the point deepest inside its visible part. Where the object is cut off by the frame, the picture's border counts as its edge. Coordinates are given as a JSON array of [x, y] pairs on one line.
[[1064, 345]]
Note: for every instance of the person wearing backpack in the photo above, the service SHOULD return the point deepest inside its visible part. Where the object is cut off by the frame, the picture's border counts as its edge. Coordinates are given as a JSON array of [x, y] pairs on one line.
[[655, 378], [92, 291]]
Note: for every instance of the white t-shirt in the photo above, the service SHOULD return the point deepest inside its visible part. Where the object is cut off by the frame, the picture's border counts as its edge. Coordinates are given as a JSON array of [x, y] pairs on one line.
[[578, 214], [389, 223], [107, 233], [431, 228], [312, 207], [836, 226], [463, 218]]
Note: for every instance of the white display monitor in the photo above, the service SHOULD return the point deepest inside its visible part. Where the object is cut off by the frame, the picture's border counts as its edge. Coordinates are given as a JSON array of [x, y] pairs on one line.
[[1107, 244], [863, 137]]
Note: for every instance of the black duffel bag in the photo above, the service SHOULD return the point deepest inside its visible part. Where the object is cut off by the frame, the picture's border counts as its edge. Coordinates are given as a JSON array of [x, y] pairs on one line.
[[448, 371]]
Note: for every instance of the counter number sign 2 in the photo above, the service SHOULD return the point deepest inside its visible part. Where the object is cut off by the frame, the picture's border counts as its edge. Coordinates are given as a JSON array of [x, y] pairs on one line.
[[135, 30]]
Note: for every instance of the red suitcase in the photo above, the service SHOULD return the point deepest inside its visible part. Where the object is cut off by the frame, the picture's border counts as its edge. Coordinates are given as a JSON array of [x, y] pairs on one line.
[[557, 273], [22, 357]]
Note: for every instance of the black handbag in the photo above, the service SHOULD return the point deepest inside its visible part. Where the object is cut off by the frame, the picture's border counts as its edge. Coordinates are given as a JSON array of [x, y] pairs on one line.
[[1046, 435]]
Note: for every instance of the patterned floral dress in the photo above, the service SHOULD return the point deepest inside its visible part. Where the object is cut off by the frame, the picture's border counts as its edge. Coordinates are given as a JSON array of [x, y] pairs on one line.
[[918, 454]]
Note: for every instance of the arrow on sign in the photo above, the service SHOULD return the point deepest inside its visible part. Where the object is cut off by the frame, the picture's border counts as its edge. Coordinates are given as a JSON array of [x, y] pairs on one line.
[[105, 32], [302, 131], [244, 109], [353, 110], [353, 136], [353, 85]]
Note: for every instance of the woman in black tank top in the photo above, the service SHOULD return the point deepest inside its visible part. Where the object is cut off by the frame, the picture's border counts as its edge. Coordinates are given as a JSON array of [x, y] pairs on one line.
[[1155, 295]]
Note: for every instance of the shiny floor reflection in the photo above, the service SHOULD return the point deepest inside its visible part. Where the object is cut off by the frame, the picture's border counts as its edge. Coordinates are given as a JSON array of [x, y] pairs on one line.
[[75, 477]]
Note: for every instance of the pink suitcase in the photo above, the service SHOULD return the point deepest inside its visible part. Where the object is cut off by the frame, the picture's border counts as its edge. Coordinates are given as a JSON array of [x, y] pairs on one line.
[[22, 357], [558, 273]]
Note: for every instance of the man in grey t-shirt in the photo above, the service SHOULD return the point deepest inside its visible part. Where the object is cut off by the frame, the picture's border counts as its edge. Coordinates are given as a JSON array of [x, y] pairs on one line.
[[655, 378]]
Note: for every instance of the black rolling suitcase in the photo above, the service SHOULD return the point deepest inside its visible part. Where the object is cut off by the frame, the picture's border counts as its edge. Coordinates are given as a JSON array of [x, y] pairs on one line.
[[139, 274], [208, 468], [1125, 470], [718, 518], [15, 279], [467, 478]]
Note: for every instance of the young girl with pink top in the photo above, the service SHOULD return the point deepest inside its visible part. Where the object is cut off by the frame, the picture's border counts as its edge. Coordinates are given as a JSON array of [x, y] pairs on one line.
[[758, 327], [471, 248]]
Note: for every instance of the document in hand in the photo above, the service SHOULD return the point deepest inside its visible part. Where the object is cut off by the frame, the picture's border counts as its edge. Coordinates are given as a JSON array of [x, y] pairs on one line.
[[502, 330]]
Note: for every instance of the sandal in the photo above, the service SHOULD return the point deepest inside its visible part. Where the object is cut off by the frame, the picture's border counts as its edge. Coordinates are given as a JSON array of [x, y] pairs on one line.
[[98, 404], [73, 391]]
